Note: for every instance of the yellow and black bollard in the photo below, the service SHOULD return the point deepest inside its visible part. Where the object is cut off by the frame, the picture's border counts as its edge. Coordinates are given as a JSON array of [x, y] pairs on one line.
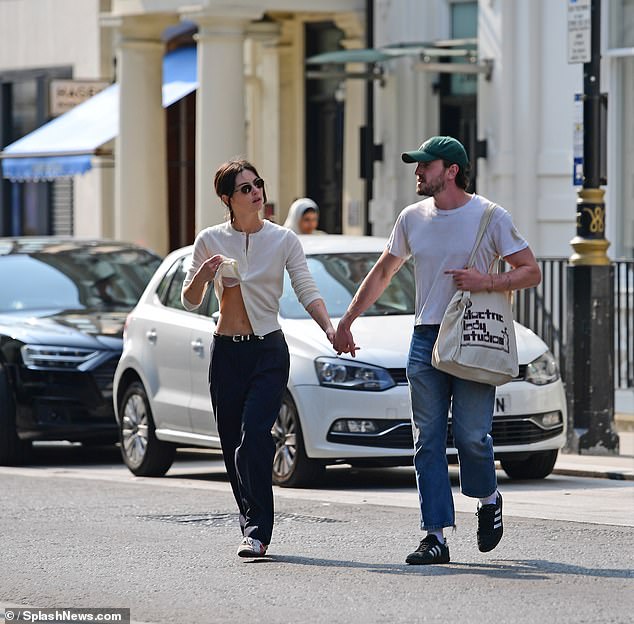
[[590, 288]]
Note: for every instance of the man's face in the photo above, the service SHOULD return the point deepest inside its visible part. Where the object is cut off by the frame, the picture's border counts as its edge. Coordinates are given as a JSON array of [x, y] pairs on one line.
[[430, 177]]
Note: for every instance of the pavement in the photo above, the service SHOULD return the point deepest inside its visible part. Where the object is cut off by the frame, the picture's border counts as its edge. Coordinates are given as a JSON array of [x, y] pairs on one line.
[[619, 467]]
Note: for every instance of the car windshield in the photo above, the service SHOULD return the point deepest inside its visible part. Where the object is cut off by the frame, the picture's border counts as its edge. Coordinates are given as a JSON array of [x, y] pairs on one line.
[[338, 277], [75, 278]]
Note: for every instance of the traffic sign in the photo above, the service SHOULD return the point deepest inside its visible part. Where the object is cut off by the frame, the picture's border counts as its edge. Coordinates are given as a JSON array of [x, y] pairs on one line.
[[579, 29]]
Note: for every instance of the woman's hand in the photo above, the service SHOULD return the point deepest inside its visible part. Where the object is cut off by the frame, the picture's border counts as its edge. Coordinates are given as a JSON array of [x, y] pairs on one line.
[[330, 334], [209, 268]]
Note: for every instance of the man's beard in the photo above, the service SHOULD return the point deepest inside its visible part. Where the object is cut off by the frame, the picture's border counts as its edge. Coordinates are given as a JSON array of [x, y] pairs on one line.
[[431, 187]]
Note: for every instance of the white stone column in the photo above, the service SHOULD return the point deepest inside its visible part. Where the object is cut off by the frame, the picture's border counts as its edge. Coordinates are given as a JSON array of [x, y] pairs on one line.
[[496, 119], [140, 169], [353, 92], [220, 103], [263, 110], [94, 200], [526, 98], [292, 141]]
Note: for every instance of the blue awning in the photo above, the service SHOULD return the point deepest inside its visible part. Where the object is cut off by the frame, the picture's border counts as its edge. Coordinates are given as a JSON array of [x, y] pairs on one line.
[[64, 146]]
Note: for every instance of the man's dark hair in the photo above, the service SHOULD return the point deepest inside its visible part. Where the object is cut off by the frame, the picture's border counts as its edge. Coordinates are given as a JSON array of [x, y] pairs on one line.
[[462, 177]]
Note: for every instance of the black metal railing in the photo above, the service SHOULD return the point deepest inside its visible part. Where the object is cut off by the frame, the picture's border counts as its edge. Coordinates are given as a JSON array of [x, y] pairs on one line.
[[544, 309]]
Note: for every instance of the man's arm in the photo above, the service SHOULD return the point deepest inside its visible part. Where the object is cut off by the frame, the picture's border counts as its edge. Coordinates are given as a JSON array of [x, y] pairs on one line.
[[373, 285]]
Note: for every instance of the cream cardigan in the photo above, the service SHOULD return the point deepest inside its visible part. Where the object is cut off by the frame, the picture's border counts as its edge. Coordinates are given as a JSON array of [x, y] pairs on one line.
[[260, 261]]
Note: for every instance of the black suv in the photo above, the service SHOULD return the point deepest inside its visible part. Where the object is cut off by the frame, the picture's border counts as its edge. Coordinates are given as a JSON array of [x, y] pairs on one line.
[[63, 304]]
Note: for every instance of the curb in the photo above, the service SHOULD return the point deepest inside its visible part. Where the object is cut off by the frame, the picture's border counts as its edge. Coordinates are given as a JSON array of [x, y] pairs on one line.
[[595, 474]]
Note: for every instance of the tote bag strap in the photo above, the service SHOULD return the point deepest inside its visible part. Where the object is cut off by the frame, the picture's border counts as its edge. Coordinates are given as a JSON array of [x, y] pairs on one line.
[[484, 223]]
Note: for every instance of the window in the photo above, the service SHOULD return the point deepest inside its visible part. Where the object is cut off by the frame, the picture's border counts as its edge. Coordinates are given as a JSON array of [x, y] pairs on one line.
[[339, 275], [620, 46], [27, 208], [464, 25], [621, 24], [169, 290]]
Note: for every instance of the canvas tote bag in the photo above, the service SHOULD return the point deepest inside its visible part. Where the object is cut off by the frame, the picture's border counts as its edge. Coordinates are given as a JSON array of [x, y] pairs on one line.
[[476, 340]]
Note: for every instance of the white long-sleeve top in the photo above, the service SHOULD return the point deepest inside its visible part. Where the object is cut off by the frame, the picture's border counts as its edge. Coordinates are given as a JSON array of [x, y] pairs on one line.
[[261, 261]]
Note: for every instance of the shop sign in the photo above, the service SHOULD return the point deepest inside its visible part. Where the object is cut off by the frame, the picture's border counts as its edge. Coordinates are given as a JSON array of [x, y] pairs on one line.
[[66, 94]]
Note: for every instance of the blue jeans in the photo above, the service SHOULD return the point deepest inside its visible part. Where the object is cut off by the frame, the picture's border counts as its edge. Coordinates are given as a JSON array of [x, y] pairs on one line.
[[432, 393]]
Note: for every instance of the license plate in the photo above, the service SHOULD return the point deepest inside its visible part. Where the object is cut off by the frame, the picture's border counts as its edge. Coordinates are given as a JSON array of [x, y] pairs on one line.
[[502, 403]]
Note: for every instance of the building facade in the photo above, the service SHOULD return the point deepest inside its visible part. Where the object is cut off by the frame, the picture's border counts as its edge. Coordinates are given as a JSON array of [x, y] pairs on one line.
[[200, 82]]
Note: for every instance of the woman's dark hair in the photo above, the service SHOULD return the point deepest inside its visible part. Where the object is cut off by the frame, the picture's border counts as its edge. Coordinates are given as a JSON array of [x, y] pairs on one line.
[[462, 177], [225, 180]]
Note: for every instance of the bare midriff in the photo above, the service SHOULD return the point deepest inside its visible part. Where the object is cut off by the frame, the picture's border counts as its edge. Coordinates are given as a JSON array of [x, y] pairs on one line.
[[233, 317]]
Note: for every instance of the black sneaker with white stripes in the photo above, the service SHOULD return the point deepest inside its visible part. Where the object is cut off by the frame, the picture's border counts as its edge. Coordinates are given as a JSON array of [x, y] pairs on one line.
[[429, 551], [490, 527]]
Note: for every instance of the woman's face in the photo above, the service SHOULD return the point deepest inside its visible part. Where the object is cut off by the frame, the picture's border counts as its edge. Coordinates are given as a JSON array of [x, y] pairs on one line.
[[308, 222], [248, 193]]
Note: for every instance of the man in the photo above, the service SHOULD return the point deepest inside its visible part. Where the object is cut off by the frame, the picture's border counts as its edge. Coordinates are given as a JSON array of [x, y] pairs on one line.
[[439, 233]]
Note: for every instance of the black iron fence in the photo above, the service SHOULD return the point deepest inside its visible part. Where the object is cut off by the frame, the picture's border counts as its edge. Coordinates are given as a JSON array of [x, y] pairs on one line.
[[544, 309]]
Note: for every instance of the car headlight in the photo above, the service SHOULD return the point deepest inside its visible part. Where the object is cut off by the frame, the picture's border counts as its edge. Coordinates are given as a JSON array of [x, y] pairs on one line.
[[45, 357], [543, 370], [548, 420], [338, 373]]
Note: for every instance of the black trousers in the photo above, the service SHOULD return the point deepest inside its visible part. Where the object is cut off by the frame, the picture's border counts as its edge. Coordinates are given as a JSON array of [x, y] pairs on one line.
[[247, 381]]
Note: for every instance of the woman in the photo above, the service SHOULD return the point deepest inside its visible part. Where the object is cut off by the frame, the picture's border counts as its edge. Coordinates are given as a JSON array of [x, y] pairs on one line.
[[303, 217], [245, 258]]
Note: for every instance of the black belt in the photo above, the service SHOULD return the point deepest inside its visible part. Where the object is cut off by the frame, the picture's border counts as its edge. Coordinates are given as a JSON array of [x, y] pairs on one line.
[[244, 337]]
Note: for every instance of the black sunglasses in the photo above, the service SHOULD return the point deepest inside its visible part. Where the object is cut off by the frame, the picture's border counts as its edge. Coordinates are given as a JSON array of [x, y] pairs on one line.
[[247, 187]]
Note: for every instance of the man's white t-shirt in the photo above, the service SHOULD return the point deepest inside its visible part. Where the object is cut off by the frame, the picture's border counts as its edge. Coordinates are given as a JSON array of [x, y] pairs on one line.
[[439, 240]]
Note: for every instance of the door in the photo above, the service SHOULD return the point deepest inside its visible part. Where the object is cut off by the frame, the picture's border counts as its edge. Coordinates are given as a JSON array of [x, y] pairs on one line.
[[193, 335], [458, 92], [200, 337], [167, 352], [458, 114], [324, 133]]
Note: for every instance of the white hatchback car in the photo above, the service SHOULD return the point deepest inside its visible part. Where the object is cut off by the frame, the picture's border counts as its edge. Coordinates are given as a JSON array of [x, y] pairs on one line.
[[336, 409]]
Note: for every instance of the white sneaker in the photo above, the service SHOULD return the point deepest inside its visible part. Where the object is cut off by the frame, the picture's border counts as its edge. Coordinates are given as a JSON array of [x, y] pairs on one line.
[[251, 547]]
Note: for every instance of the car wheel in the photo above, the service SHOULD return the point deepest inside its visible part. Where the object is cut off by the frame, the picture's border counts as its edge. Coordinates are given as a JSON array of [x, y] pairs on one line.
[[291, 466], [13, 451], [536, 466], [143, 453]]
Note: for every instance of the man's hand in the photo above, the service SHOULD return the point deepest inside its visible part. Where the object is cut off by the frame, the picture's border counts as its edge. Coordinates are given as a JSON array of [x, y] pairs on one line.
[[373, 285], [470, 279], [344, 342]]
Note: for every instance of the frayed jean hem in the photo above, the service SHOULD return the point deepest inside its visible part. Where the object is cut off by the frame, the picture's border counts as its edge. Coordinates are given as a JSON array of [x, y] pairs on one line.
[[438, 527]]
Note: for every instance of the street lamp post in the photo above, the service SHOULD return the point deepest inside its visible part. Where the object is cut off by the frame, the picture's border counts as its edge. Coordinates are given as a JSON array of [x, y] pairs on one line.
[[590, 345]]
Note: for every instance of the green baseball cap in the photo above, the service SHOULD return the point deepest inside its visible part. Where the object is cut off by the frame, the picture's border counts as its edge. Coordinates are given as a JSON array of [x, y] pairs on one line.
[[438, 147]]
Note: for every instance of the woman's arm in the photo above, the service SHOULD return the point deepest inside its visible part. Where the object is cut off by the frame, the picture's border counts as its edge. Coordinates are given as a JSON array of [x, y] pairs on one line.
[[317, 309], [202, 271]]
